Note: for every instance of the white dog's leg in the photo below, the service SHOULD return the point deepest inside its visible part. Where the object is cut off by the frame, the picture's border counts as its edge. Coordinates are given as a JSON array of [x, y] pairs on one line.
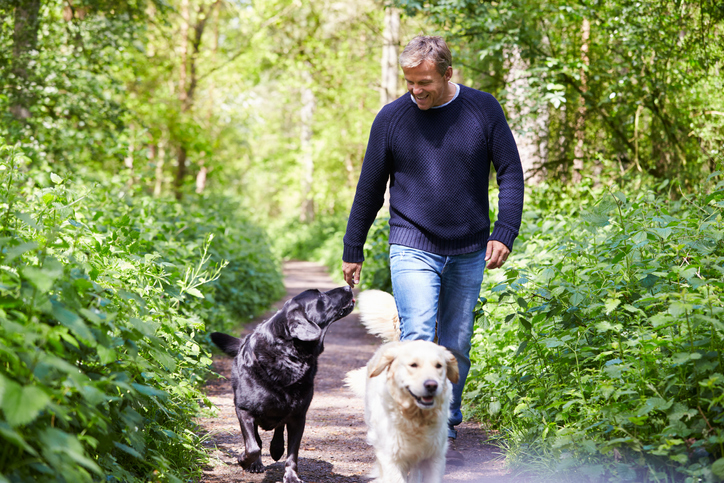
[[430, 470], [389, 472]]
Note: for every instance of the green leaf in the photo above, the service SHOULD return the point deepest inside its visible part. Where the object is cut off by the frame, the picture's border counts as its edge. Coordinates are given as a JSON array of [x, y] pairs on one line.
[[44, 277], [73, 321], [22, 404], [56, 441], [13, 437], [718, 468], [195, 292], [611, 305], [55, 178], [128, 449], [14, 252], [149, 391]]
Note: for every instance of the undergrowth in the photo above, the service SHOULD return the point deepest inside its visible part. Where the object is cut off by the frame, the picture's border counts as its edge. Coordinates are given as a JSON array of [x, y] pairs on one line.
[[105, 297]]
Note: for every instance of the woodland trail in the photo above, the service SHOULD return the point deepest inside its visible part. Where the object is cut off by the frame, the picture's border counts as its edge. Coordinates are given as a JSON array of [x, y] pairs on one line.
[[333, 447]]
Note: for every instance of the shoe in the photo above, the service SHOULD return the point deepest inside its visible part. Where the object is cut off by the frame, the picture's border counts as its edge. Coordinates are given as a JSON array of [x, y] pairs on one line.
[[453, 457]]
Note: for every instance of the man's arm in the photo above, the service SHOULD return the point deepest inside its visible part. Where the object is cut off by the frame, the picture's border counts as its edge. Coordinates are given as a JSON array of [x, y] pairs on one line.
[[503, 152], [369, 198]]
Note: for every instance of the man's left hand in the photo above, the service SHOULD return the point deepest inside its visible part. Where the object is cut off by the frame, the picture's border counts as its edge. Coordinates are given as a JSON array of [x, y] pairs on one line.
[[496, 254]]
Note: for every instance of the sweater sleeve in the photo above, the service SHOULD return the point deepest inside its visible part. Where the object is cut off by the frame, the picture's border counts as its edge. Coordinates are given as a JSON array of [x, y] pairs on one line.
[[503, 152], [370, 194]]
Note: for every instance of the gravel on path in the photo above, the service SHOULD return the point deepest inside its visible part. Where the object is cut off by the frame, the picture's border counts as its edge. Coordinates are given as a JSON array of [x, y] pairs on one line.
[[333, 448]]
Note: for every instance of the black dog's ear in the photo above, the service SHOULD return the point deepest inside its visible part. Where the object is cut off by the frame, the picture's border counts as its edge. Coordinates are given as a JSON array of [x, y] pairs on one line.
[[226, 343], [300, 328]]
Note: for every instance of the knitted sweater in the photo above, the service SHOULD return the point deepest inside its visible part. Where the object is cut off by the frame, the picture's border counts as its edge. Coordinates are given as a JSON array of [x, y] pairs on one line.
[[438, 164]]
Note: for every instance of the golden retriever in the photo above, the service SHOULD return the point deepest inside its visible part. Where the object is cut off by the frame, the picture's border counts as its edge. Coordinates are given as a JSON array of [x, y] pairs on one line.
[[407, 390]]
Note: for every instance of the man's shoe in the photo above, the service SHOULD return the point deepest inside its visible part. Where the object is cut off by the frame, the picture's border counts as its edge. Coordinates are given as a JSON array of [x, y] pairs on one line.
[[453, 456]]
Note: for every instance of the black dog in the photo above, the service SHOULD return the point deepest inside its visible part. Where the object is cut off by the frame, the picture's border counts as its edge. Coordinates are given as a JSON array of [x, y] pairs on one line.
[[273, 373]]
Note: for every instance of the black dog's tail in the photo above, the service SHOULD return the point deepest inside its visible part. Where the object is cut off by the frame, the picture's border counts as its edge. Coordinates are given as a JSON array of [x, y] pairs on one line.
[[226, 343]]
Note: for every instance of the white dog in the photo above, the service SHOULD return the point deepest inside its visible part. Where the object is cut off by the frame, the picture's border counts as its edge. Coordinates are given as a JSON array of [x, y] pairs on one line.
[[407, 389]]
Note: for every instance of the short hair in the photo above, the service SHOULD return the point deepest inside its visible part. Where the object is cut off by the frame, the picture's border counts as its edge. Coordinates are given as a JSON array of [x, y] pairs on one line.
[[426, 47]]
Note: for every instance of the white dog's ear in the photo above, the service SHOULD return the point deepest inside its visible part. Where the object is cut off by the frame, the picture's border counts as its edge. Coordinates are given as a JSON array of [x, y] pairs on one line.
[[453, 371], [382, 359]]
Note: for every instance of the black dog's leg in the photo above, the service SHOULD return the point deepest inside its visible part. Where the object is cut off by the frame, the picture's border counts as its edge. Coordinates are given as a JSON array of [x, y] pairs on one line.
[[276, 448], [295, 429], [250, 460]]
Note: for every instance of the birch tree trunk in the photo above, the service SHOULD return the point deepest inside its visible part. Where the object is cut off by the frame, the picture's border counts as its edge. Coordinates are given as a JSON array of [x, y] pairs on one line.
[[581, 113], [390, 47], [305, 146], [160, 157], [25, 39], [529, 130]]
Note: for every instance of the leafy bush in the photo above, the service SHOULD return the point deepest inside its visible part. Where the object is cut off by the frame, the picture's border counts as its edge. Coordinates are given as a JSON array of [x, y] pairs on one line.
[[600, 353], [103, 296]]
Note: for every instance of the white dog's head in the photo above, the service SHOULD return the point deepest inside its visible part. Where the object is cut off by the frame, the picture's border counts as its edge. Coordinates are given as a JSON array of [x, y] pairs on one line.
[[417, 372]]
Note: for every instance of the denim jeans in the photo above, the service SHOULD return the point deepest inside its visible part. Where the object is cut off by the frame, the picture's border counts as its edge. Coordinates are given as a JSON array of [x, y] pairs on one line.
[[439, 292]]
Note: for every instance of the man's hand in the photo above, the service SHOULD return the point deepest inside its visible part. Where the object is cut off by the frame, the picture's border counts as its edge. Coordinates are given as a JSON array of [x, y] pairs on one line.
[[352, 272], [496, 254]]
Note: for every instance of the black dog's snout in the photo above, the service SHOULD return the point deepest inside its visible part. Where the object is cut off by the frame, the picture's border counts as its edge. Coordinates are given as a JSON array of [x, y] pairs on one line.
[[430, 386]]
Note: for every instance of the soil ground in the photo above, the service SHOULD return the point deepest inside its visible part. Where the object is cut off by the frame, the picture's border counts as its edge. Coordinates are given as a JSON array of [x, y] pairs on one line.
[[333, 448]]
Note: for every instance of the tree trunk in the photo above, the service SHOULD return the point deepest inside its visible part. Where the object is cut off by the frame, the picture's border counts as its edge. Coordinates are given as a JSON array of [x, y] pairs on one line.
[[159, 156], [25, 39], [580, 133], [530, 129], [182, 96], [180, 172], [390, 47], [305, 146], [187, 75]]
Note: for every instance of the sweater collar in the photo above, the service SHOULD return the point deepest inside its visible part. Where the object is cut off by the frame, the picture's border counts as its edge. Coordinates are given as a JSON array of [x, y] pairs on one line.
[[455, 96]]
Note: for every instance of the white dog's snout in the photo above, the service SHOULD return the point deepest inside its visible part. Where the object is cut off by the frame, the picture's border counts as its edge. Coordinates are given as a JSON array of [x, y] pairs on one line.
[[430, 386]]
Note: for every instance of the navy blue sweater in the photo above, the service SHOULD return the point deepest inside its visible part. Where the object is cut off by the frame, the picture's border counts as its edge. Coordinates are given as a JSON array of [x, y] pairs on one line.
[[438, 164]]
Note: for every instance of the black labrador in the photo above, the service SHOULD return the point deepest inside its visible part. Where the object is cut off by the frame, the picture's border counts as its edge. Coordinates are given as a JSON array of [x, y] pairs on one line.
[[273, 373]]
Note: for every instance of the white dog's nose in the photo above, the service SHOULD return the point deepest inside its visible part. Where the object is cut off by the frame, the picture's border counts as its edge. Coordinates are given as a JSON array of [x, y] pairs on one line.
[[430, 386]]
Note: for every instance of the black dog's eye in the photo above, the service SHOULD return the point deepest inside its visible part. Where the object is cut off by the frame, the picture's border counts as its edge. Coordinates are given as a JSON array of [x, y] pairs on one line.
[[414, 364]]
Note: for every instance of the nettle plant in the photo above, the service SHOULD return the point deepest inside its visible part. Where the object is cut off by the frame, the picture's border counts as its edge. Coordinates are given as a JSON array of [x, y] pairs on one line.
[[600, 354], [103, 298]]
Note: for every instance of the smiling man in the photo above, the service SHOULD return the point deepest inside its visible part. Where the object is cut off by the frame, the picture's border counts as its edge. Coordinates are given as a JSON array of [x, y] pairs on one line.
[[435, 145]]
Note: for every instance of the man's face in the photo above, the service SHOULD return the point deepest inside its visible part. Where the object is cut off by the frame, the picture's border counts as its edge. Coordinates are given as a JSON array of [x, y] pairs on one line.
[[427, 86]]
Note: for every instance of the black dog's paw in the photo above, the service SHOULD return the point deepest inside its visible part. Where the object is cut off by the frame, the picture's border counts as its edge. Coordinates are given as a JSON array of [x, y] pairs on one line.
[[251, 462], [256, 467]]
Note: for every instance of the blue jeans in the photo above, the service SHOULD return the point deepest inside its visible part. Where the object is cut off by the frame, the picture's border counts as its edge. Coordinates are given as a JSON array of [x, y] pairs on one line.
[[439, 292]]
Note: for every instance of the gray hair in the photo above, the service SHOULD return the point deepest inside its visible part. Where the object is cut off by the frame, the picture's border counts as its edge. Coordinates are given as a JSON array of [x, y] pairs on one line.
[[426, 47]]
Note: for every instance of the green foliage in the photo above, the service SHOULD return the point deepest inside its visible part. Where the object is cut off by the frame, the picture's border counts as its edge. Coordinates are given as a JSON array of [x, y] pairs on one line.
[[637, 81], [600, 353], [103, 298]]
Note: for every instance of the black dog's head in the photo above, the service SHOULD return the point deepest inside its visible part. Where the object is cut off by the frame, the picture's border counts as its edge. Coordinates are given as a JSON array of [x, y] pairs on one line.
[[307, 316]]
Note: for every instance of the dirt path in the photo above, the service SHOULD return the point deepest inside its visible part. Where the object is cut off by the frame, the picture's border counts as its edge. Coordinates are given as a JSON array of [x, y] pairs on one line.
[[333, 447]]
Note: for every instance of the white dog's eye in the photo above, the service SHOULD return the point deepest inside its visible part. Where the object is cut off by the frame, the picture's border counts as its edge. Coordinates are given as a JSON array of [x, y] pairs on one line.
[[438, 365], [414, 364]]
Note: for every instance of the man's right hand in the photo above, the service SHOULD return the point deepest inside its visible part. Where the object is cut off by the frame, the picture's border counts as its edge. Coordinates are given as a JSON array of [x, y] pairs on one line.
[[352, 272]]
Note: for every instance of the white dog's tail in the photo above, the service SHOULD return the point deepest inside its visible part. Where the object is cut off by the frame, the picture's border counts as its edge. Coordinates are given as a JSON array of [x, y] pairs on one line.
[[379, 314], [356, 380]]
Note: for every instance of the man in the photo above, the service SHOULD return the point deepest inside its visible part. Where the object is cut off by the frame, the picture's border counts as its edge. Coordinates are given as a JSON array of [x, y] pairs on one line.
[[435, 145]]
